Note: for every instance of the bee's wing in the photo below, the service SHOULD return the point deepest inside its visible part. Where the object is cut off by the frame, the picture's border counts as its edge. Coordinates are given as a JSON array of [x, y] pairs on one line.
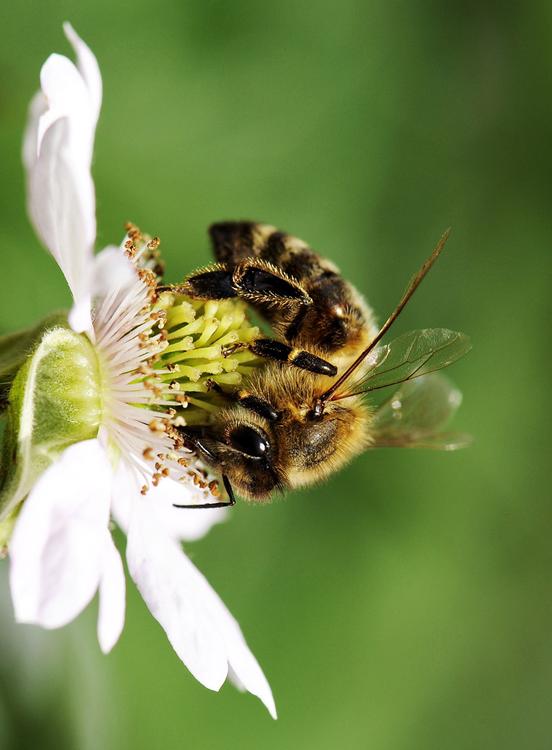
[[415, 415], [407, 357]]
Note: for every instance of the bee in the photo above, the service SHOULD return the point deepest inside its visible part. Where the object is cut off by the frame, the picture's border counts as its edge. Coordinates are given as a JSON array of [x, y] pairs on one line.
[[311, 408]]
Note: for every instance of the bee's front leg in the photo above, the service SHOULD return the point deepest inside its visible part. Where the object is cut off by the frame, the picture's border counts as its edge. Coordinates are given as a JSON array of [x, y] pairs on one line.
[[253, 279], [278, 351], [268, 288], [198, 439]]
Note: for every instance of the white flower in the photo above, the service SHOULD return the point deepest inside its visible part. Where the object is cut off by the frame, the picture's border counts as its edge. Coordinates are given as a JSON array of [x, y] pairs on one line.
[[62, 551]]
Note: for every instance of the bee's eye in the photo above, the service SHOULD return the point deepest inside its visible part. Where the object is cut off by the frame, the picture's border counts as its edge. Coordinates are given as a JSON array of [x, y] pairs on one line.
[[247, 440]]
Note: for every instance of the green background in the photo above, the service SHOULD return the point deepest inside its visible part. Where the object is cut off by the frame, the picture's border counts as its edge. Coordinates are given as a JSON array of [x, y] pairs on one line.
[[406, 603]]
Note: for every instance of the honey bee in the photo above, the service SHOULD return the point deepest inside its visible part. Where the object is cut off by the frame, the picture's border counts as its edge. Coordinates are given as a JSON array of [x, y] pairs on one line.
[[310, 409]]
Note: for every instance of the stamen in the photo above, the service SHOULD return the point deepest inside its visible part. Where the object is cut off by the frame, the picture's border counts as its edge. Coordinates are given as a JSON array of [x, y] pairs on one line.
[[156, 349]]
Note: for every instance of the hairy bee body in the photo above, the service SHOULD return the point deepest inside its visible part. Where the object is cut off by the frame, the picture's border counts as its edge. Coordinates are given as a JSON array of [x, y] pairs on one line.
[[337, 321], [302, 450], [289, 425]]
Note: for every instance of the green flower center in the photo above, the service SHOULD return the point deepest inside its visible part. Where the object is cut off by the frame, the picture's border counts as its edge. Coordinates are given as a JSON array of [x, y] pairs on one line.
[[206, 352]]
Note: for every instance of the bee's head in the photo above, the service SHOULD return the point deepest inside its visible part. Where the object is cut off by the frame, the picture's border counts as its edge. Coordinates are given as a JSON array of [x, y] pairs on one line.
[[250, 458], [239, 446], [263, 452]]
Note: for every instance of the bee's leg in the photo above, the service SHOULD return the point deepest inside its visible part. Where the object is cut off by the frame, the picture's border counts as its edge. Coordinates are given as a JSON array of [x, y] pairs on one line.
[[223, 504], [244, 398], [280, 352], [212, 282], [261, 282], [194, 437], [253, 279]]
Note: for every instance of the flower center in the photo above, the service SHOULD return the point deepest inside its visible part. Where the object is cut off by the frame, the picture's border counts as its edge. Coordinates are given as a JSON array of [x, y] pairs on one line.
[[166, 361]]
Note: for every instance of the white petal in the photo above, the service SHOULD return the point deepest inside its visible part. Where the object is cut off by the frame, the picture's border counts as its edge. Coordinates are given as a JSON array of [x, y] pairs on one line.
[[37, 107], [162, 574], [61, 206], [67, 96], [112, 271], [88, 68], [188, 524], [111, 616], [57, 546], [200, 628], [244, 671], [57, 153], [124, 490], [80, 315]]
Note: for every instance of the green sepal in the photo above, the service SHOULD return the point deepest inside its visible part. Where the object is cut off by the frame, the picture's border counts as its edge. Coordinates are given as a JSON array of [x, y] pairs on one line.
[[54, 401], [16, 347], [6, 530]]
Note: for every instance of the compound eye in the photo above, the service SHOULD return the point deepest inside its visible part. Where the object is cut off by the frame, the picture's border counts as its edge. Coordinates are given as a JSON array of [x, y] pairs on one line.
[[249, 441]]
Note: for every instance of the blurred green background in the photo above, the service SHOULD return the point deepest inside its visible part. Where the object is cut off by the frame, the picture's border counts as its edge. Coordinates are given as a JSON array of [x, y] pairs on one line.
[[407, 603]]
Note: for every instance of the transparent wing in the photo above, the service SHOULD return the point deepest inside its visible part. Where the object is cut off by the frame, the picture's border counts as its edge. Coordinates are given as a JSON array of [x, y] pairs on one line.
[[409, 356], [415, 415]]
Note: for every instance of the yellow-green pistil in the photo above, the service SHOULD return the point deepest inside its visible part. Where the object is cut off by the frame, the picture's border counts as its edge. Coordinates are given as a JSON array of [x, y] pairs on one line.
[[206, 343]]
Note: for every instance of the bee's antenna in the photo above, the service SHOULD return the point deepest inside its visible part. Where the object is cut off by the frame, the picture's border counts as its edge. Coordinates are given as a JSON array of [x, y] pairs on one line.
[[413, 285]]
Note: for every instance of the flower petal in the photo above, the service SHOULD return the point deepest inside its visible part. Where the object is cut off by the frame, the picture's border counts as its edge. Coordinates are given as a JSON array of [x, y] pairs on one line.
[[37, 107], [75, 92], [57, 153], [200, 628], [67, 97], [111, 616], [61, 206], [244, 671], [112, 272], [188, 524], [58, 543], [88, 68], [162, 574]]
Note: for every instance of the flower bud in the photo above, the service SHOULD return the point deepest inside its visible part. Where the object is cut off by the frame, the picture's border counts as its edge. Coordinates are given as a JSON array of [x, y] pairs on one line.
[[54, 401]]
